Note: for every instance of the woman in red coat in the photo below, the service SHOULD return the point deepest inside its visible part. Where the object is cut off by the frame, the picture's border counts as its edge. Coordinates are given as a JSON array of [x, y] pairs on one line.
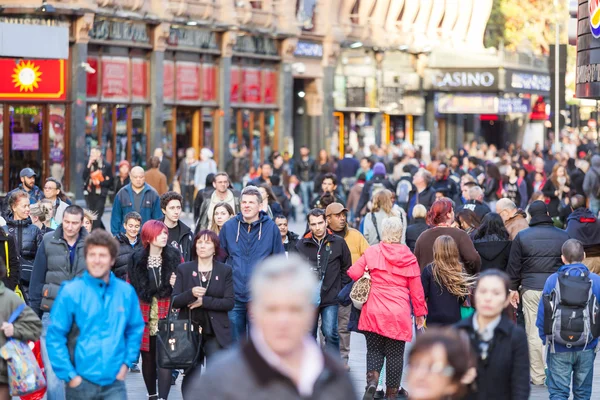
[[385, 318]]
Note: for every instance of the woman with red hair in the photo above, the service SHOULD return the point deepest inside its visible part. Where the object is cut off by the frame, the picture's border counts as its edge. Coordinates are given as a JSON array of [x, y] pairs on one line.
[[152, 274], [441, 219]]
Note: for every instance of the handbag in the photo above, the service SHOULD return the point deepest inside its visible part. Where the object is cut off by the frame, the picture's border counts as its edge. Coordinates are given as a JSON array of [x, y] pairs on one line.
[[466, 308], [360, 290], [24, 374], [179, 341], [17, 288]]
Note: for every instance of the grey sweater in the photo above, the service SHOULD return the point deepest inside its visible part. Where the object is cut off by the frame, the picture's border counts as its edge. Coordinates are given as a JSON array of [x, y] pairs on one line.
[[241, 373]]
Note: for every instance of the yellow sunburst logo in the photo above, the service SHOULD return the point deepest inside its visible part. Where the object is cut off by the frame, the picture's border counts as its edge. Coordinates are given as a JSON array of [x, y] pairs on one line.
[[26, 76]]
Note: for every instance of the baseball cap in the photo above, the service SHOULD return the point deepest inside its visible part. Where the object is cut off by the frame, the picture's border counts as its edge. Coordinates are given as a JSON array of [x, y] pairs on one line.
[[334, 209], [27, 172]]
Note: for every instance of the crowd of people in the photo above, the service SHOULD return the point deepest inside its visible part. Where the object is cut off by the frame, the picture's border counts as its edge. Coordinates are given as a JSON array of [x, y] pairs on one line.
[[483, 261]]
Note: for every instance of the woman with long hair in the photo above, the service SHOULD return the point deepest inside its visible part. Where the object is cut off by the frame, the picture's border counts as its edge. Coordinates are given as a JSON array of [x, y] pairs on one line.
[[499, 344], [199, 293], [492, 242], [514, 187], [441, 219], [446, 285], [89, 217], [221, 214], [270, 205], [557, 189], [152, 275], [386, 317], [467, 220], [383, 207], [492, 186]]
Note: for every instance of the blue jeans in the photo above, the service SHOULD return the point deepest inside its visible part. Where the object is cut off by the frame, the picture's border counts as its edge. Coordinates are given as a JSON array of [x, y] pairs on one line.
[[594, 206], [90, 391], [329, 327], [576, 367], [306, 192], [55, 388], [240, 323]]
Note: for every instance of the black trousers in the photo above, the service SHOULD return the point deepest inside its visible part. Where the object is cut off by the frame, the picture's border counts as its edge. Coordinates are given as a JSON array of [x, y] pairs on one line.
[[210, 346], [187, 191], [96, 203]]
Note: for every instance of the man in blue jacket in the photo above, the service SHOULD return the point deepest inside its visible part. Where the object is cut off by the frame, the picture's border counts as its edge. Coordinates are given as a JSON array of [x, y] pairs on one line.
[[576, 363], [247, 239], [136, 196], [105, 313]]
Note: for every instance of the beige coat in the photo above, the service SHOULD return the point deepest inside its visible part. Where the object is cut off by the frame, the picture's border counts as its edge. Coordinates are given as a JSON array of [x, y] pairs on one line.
[[516, 224]]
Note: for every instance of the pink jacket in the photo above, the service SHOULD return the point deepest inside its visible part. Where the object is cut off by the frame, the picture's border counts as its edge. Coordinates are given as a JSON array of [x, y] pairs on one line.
[[395, 282]]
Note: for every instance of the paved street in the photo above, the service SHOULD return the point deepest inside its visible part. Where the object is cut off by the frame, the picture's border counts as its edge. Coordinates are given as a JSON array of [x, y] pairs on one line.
[[137, 391]]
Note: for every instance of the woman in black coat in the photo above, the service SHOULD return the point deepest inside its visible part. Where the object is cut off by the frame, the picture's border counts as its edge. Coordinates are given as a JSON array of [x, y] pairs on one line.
[[492, 186], [491, 240], [501, 345], [557, 190], [204, 287], [416, 227]]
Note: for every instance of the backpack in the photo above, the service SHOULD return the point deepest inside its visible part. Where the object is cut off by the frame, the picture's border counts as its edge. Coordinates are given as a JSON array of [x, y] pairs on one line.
[[375, 188], [403, 192], [571, 311]]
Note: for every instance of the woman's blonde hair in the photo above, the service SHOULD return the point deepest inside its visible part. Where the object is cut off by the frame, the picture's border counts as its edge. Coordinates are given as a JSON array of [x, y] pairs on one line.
[[447, 269], [89, 214], [419, 211], [391, 230], [383, 200], [40, 210]]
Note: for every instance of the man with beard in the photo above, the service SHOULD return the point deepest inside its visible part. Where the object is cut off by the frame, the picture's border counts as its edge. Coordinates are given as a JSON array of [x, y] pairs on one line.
[[210, 198], [27, 185]]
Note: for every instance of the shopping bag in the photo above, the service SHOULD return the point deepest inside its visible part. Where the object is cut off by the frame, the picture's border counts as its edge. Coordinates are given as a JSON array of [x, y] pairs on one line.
[[36, 348], [24, 374]]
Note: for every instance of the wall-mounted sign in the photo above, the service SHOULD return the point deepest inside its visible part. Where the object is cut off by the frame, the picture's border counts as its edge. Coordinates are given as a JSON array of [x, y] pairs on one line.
[[466, 80], [139, 72], [115, 78], [127, 31], [527, 82], [41, 80], [209, 82], [309, 49], [514, 105], [446, 103], [32, 20], [256, 45], [193, 38], [169, 81], [587, 73], [594, 16], [187, 81], [25, 141]]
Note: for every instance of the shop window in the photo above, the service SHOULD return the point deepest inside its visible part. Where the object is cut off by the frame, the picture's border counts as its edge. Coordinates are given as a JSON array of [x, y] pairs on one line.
[[138, 135], [208, 128], [107, 134], [121, 139], [2, 149], [167, 133], [57, 142], [26, 130], [269, 134], [91, 128]]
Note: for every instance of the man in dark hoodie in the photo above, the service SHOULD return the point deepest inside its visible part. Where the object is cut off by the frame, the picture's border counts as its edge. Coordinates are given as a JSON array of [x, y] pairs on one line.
[[475, 203], [583, 225], [423, 193], [180, 235], [444, 183], [591, 184], [373, 185], [279, 192], [288, 237]]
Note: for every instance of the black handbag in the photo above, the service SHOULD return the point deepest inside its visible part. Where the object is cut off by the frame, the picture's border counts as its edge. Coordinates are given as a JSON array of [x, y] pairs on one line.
[[179, 341]]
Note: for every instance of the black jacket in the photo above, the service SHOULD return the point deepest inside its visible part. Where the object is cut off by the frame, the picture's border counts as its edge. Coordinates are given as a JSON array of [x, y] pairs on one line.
[[28, 237], [549, 191], [282, 199], [504, 375], [105, 185], [140, 279], [490, 190], [480, 209], [535, 254], [447, 186], [305, 171], [202, 196], [425, 198], [340, 260], [217, 301], [7, 245], [184, 244], [493, 251], [165, 168], [413, 232], [367, 190], [290, 246], [125, 254]]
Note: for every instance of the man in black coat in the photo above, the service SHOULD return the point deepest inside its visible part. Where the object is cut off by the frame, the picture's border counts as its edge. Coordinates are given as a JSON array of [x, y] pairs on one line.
[[376, 183], [180, 235], [289, 238], [444, 183], [165, 164], [475, 203], [535, 254], [422, 193], [330, 258], [129, 242]]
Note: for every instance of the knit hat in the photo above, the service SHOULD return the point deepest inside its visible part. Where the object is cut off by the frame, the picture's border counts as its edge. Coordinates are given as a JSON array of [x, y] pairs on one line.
[[379, 169], [539, 213]]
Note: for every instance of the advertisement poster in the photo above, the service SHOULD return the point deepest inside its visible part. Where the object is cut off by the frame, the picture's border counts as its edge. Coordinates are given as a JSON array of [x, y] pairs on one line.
[[25, 141], [236, 77], [251, 85], [270, 79], [92, 79], [57, 141], [139, 73], [115, 78], [169, 81], [187, 81], [209, 82]]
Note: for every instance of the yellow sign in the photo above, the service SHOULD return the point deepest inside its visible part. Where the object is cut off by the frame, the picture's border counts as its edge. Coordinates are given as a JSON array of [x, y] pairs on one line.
[[26, 76]]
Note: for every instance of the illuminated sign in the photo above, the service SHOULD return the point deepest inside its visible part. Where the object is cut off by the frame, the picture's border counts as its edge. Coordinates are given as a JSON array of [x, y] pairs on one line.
[[33, 79]]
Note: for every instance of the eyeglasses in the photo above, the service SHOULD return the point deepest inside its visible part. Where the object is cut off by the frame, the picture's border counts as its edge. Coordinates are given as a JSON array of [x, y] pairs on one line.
[[437, 368], [50, 188]]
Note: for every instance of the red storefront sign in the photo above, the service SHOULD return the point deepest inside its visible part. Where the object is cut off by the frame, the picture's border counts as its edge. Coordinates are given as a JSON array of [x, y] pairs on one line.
[[251, 85], [92, 79], [235, 80], [32, 79], [188, 81], [139, 77], [115, 77], [169, 81], [209, 82], [270, 82]]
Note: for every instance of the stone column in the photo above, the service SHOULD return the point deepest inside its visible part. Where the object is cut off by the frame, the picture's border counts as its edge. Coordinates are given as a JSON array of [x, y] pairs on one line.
[[286, 91], [331, 52], [160, 33], [78, 93], [227, 43]]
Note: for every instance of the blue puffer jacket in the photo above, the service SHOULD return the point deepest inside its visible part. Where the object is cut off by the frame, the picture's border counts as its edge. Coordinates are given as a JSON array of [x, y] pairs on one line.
[[246, 245], [110, 326], [123, 205]]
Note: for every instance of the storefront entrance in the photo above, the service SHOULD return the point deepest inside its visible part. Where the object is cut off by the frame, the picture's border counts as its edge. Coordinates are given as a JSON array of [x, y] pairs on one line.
[[255, 130]]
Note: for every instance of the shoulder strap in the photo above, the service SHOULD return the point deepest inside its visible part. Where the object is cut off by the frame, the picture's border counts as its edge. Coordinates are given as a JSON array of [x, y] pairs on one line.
[[15, 314], [7, 259], [325, 259], [374, 219]]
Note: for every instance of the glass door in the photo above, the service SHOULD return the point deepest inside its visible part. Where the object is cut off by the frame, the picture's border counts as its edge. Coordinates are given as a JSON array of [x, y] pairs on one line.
[[138, 136], [25, 130]]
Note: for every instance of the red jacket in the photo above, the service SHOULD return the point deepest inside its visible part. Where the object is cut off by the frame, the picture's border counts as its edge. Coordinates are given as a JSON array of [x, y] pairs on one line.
[[395, 282]]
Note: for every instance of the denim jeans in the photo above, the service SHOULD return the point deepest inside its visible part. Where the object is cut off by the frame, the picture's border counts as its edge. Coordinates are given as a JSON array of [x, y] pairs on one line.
[[306, 192], [329, 327], [240, 323], [576, 367], [594, 205], [55, 388], [90, 391]]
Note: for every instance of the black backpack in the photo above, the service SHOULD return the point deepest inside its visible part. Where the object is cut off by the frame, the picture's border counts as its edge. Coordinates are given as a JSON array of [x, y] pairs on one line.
[[571, 311]]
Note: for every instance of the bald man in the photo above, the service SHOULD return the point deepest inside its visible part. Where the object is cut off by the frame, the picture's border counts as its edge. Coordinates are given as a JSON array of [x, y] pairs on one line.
[[515, 219], [136, 196]]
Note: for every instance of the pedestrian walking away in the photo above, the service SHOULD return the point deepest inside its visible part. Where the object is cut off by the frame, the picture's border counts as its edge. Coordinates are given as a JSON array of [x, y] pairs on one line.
[[98, 180]]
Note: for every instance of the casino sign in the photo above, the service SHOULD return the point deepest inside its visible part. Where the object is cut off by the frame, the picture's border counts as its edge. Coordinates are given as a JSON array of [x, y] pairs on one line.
[[587, 72]]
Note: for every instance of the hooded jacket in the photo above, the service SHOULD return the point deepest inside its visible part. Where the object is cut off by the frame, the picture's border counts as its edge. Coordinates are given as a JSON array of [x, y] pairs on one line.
[[290, 246], [367, 191], [124, 204], [395, 285], [591, 182], [340, 259], [125, 253], [28, 237], [414, 230], [494, 252], [184, 244], [245, 245], [585, 227], [535, 254]]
